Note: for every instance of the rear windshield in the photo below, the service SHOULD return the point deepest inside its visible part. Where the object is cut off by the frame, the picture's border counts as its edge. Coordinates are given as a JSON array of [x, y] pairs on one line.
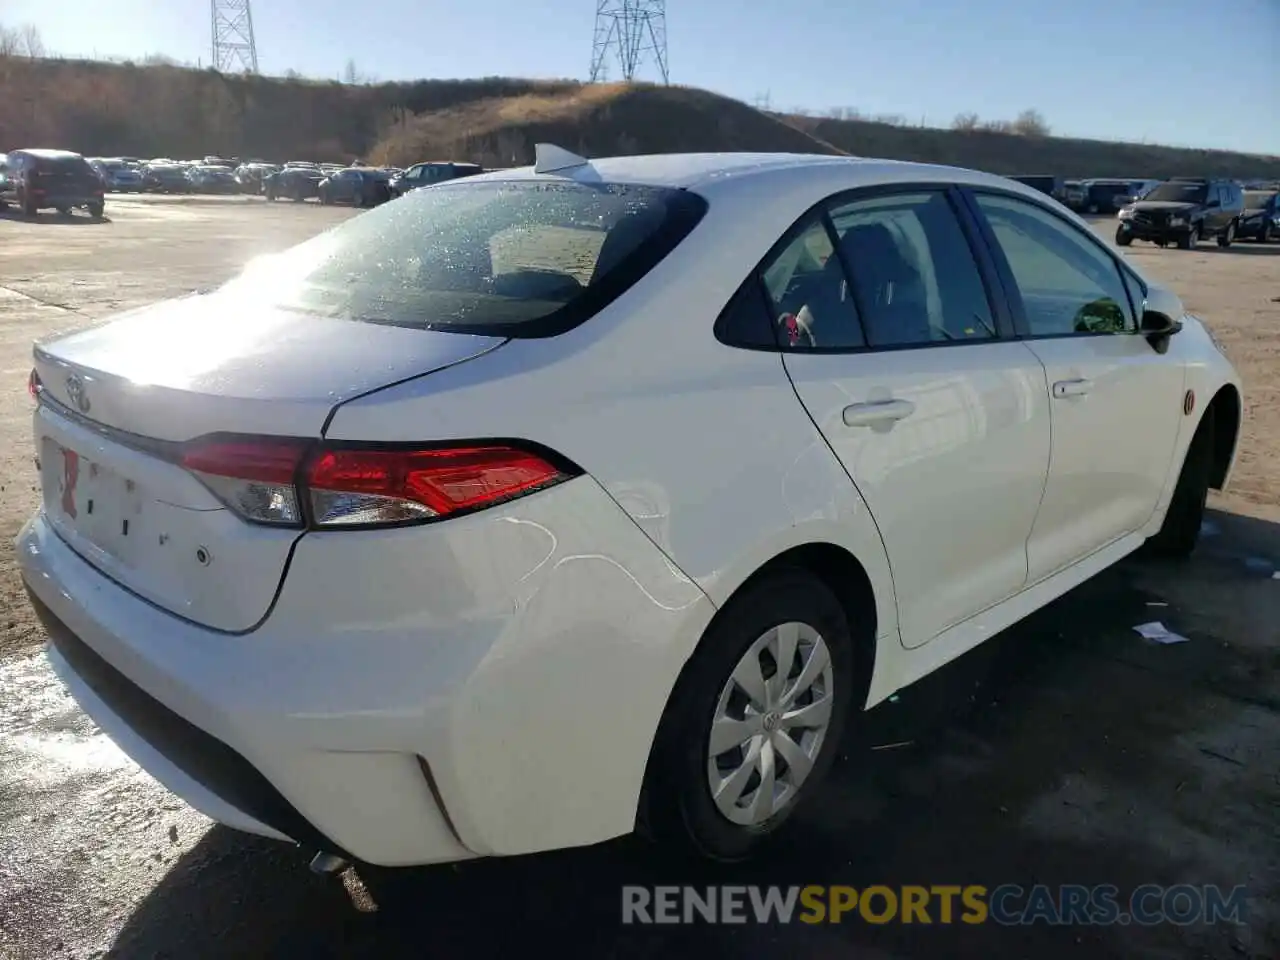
[[63, 165], [1179, 192], [517, 258]]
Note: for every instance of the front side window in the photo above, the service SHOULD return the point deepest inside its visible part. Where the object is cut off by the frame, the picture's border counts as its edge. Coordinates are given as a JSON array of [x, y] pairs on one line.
[[502, 258], [1068, 284], [914, 277]]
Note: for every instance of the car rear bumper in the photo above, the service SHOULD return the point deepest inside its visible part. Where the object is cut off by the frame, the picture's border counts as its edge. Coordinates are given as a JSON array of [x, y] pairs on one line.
[[485, 686], [51, 201]]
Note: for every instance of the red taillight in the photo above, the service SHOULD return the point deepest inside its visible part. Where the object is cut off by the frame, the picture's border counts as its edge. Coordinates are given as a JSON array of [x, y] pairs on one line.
[[34, 386], [267, 480], [254, 477], [361, 487]]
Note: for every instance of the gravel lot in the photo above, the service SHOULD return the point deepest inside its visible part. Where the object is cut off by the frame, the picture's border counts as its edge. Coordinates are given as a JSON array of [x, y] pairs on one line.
[[1066, 751]]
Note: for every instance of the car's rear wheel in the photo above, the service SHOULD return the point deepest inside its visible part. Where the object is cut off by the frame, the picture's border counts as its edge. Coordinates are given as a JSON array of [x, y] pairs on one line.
[[1180, 531], [1190, 238], [95, 209], [755, 720], [1228, 236]]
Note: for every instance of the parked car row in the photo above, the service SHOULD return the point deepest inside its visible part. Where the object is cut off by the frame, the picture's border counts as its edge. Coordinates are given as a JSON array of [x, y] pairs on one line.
[[1181, 211], [1185, 210]]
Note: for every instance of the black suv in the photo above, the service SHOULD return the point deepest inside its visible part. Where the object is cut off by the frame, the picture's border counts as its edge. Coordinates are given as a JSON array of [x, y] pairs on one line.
[[51, 179], [1182, 211], [1261, 218]]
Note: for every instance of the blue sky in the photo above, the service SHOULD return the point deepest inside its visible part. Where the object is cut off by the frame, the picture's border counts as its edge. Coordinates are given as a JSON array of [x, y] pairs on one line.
[[1186, 72]]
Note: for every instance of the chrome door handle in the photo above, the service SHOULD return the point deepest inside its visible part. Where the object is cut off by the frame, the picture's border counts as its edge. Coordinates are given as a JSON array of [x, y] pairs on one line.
[[879, 411], [1071, 388]]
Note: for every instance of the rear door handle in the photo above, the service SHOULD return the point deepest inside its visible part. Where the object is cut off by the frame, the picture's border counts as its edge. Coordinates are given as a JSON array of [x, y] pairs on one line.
[[880, 411], [1071, 388]]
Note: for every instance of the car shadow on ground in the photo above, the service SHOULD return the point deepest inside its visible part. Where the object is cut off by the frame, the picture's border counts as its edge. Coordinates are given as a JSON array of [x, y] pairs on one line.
[[77, 218], [1249, 249], [1040, 757]]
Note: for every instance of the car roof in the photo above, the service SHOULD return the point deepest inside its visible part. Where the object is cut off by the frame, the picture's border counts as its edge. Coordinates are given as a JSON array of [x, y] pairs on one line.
[[48, 154], [700, 171]]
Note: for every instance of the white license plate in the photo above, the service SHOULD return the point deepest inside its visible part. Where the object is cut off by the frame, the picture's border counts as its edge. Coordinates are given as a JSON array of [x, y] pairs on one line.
[[94, 502]]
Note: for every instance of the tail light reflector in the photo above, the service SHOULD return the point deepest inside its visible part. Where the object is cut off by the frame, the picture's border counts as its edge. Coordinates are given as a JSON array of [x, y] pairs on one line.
[[256, 478], [288, 482], [34, 386], [359, 487]]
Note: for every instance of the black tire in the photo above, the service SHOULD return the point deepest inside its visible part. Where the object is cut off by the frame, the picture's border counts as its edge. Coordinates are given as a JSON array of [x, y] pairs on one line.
[[1189, 239], [64, 211], [1123, 237], [1181, 528], [679, 807], [1265, 235], [1228, 236], [95, 210]]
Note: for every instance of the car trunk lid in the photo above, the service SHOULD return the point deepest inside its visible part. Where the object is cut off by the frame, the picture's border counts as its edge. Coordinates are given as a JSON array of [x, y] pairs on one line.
[[119, 401]]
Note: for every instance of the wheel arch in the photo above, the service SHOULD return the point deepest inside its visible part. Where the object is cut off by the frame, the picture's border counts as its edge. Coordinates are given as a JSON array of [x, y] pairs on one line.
[[838, 569], [1225, 409]]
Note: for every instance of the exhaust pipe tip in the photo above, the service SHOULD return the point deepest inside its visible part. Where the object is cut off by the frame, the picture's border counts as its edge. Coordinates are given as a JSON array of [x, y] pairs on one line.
[[327, 864]]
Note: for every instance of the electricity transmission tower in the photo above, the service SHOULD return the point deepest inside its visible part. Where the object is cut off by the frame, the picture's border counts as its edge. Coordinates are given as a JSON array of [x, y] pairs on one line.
[[234, 50], [630, 32]]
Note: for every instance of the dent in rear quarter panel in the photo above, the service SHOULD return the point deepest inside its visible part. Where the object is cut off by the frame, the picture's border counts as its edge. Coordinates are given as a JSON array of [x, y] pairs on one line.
[[705, 446], [526, 652]]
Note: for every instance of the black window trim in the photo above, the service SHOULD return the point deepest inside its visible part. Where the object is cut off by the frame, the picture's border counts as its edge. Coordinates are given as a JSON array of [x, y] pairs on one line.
[[1011, 293], [821, 212]]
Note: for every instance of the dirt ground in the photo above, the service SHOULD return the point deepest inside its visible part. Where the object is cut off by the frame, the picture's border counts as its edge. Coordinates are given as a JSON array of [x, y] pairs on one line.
[[1067, 750]]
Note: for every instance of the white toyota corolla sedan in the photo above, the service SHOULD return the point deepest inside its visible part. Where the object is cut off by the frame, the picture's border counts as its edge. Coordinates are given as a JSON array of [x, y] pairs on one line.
[[542, 505]]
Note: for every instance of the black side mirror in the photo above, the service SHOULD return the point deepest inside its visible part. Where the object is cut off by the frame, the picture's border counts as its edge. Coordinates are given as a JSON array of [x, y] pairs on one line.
[[1158, 327]]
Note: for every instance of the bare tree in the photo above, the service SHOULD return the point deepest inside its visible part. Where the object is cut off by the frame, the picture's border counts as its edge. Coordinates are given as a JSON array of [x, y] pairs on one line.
[[965, 121], [10, 41], [1030, 123], [32, 43], [352, 74]]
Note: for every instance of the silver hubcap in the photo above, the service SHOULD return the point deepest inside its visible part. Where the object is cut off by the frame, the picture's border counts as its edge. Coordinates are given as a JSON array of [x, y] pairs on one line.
[[769, 723]]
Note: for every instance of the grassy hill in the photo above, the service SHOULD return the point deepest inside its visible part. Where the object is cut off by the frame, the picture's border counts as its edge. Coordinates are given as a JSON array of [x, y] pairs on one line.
[[1009, 153], [593, 120], [160, 109]]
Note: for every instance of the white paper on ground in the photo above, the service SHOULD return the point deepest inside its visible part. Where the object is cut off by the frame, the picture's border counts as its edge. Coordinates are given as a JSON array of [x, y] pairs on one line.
[[1159, 633]]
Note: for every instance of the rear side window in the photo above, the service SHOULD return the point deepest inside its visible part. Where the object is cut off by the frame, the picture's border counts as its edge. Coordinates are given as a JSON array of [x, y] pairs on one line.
[[913, 272], [501, 258]]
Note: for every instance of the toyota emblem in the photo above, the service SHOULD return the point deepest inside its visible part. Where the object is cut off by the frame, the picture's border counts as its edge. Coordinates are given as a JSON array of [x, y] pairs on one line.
[[76, 391]]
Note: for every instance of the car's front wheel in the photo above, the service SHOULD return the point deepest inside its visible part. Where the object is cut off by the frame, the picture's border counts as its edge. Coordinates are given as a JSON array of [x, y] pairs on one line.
[[1228, 236], [1180, 531], [1189, 239], [755, 720], [1123, 237]]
